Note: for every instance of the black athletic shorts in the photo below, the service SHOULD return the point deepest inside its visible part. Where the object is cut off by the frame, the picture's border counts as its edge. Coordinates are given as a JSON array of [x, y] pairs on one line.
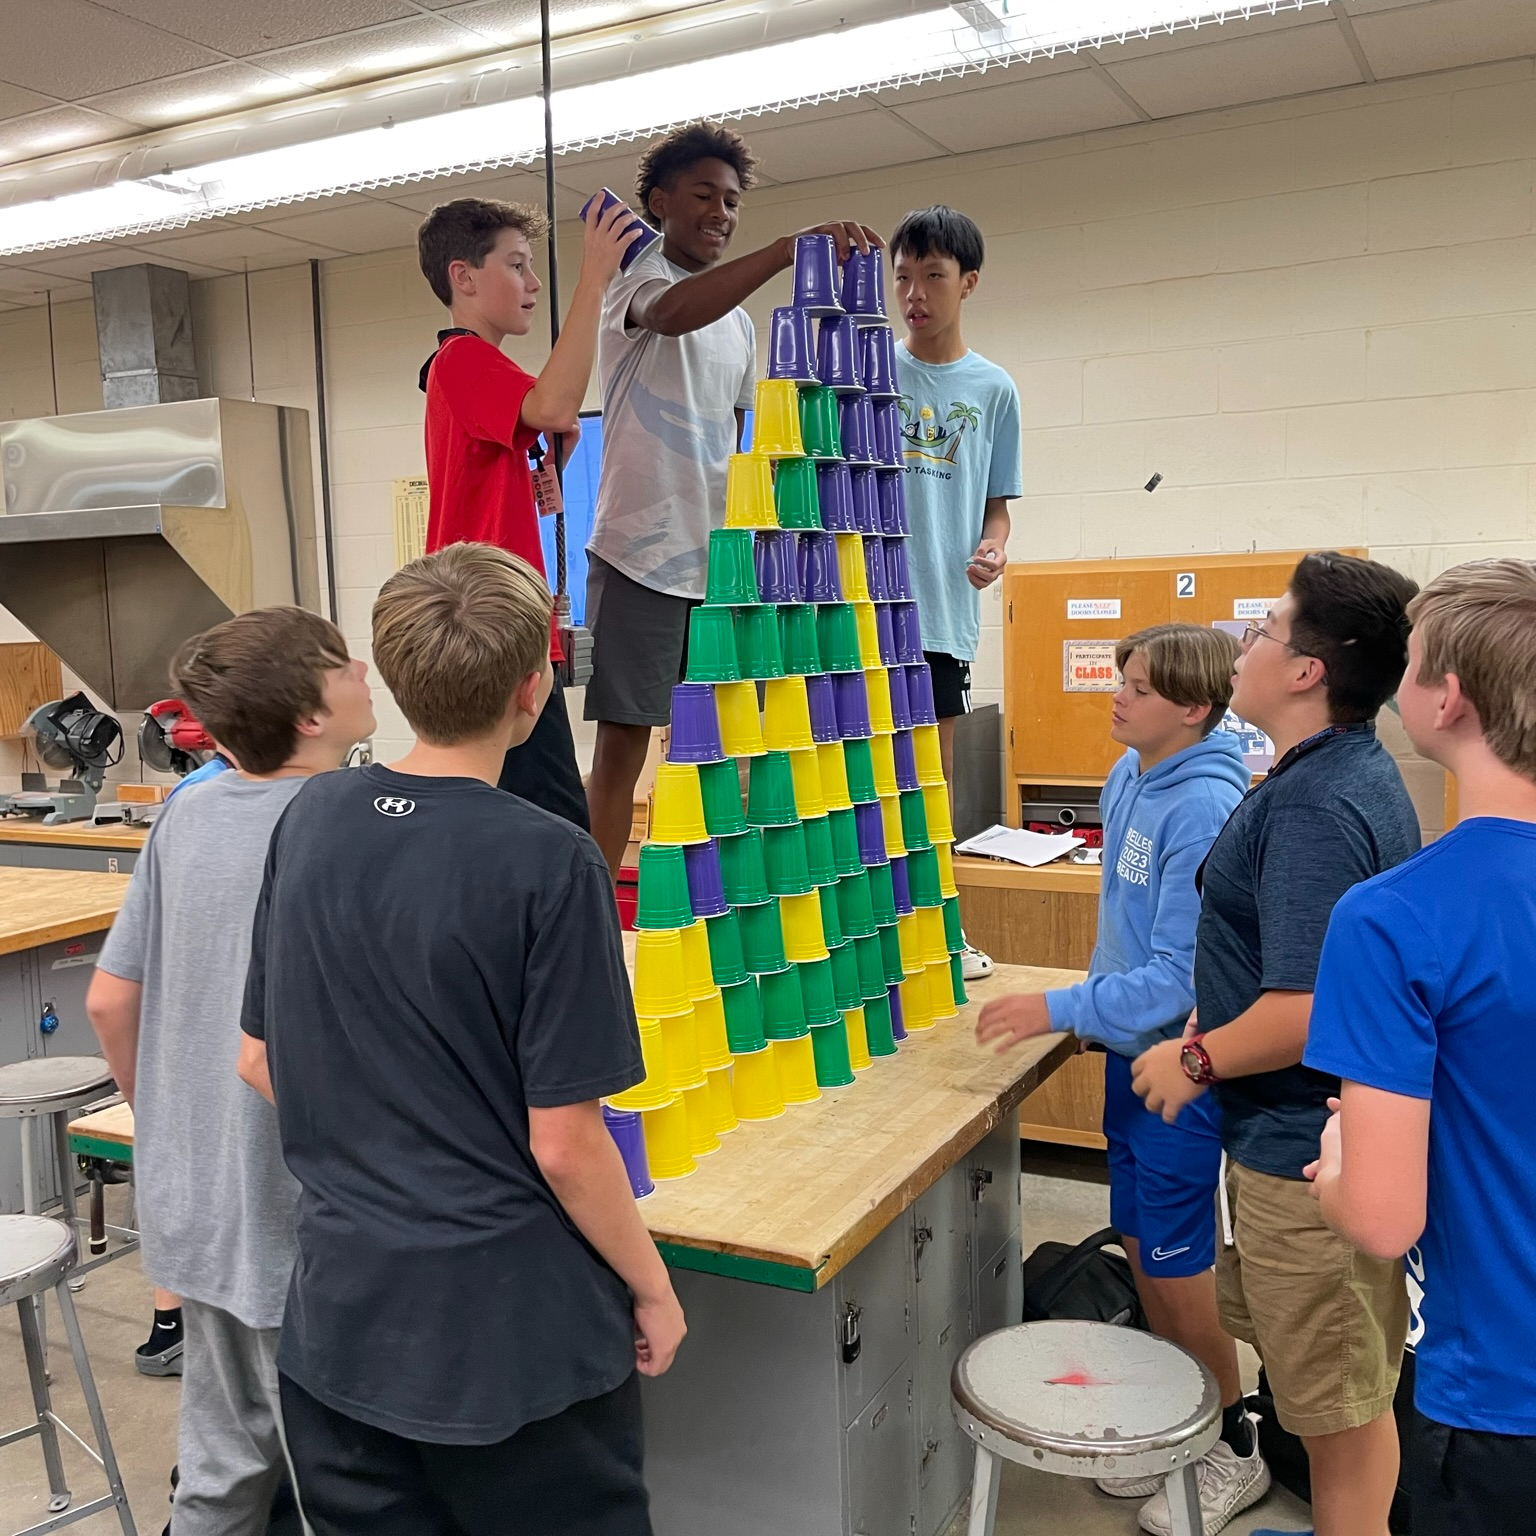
[[543, 769], [1464, 1482], [639, 647], [580, 1473], [951, 684]]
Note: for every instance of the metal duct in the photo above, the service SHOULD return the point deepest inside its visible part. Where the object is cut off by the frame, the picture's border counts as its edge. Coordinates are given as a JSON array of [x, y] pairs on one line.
[[144, 335]]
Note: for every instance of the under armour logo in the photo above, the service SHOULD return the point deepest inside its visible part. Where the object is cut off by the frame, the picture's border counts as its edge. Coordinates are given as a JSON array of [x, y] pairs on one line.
[[393, 805]]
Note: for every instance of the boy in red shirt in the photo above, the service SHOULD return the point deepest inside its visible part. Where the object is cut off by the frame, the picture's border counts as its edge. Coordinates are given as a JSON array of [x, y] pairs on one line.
[[484, 414]]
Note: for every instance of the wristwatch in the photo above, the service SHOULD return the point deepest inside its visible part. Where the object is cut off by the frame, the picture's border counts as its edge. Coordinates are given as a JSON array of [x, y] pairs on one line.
[[1196, 1062]]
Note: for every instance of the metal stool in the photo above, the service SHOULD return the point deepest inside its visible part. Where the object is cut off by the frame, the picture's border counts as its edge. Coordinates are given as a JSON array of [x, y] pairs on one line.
[[1086, 1400], [36, 1255], [52, 1088]]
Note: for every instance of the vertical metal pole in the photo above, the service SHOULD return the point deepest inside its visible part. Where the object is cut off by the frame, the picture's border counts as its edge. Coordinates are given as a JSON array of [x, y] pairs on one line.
[[562, 601], [322, 430]]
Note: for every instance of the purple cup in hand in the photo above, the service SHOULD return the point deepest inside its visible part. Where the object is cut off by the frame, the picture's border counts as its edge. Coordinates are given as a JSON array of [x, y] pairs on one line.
[[624, 1126], [647, 236]]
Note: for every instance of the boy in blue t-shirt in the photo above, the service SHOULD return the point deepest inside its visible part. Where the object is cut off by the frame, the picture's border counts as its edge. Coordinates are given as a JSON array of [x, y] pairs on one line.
[[961, 432], [1424, 1008]]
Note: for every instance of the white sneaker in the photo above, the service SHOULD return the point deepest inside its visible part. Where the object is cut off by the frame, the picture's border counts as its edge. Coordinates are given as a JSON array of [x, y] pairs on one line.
[[1229, 1483], [973, 964], [1128, 1487]]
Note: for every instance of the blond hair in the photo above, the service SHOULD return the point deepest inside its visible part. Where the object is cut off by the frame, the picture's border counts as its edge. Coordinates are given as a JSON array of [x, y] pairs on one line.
[[1186, 664], [454, 636], [1478, 621]]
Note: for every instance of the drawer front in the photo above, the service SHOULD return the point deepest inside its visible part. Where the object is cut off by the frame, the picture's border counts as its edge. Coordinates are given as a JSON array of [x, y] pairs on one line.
[[882, 1493], [873, 1295], [992, 1174], [1000, 1289]]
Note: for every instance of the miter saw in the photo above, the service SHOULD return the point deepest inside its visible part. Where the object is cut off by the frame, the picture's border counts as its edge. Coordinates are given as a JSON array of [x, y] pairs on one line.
[[171, 740], [67, 734]]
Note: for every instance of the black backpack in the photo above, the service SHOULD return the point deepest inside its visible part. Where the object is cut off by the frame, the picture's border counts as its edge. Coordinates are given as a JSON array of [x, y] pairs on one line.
[[1084, 1283]]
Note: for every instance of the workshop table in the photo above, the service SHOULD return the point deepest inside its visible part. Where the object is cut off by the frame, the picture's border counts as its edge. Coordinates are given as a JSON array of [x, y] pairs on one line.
[[109, 849]]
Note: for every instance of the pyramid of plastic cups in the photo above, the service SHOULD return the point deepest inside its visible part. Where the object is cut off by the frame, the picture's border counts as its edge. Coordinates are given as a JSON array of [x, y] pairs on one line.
[[755, 1087], [957, 979], [677, 813], [831, 919], [834, 490], [786, 715], [819, 427], [797, 639], [890, 955], [917, 1003], [797, 1070], [925, 748], [858, 1039], [884, 760], [784, 854], [749, 501], [910, 937], [820, 579], [901, 886], [936, 802], [871, 827], [855, 908], [882, 893], [695, 736], [757, 643], [834, 776], [851, 567], [890, 822], [877, 362], [712, 645], [914, 819], [869, 634], [743, 1016], [892, 497], [851, 696], [954, 936], [816, 284], [875, 568], [663, 900], [709, 1022], [727, 963], [722, 1103], [856, 424], [909, 637], [818, 991], [946, 856], [885, 642], [888, 440], [878, 1033], [829, 1050], [923, 877], [720, 785], [878, 688], [702, 1137], [653, 1090], [941, 993], [771, 791], [893, 1002], [792, 346], [743, 869], [822, 701], [803, 936], [837, 355], [845, 977], [898, 570], [776, 420], [666, 1140], [901, 742], [920, 696], [680, 1045], [837, 636], [844, 825], [866, 500], [930, 930], [896, 680], [731, 577], [795, 494], [864, 286], [762, 937], [783, 1003], [624, 1126], [778, 566], [858, 755], [698, 971]]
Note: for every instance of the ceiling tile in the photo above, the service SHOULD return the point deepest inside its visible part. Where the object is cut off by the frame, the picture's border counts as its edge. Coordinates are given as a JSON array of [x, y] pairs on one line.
[[14, 100], [365, 226], [1237, 69], [196, 94], [510, 187], [42, 133], [234, 248], [16, 282], [240, 28], [509, 22], [78, 264], [1446, 34], [1016, 111], [388, 50], [862, 141], [963, 85]]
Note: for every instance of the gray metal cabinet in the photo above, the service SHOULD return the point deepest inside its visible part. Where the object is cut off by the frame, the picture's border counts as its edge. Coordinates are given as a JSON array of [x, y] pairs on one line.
[[872, 1307], [881, 1489], [1000, 1289], [100, 861]]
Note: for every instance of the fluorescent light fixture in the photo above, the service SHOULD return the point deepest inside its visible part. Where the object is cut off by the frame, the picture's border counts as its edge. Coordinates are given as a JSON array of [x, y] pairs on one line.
[[973, 36]]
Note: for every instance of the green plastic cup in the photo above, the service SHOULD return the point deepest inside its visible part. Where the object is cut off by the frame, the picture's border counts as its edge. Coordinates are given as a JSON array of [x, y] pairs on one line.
[[663, 888], [831, 918], [783, 1003], [742, 868], [914, 821], [837, 637], [818, 423], [829, 1045], [784, 856], [757, 641], [818, 849], [845, 842], [727, 963], [845, 977], [882, 894], [721, 784], [957, 979], [819, 992], [890, 955], [954, 939], [872, 982], [771, 792], [743, 1017], [861, 774], [855, 909], [732, 577], [923, 877], [877, 1025], [794, 494], [762, 937], [797, 629], [712, 646]]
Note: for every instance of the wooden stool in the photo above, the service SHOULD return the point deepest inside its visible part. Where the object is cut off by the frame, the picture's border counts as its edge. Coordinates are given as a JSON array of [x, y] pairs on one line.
[[36, 1255], [51, 1088], [1086, 1400]]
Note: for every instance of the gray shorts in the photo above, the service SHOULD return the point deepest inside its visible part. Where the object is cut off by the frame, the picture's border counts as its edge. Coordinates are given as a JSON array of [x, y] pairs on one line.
[[639, 647]]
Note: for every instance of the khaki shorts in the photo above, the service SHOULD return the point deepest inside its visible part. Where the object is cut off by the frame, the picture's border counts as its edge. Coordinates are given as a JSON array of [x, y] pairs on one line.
[[1328, 1321]]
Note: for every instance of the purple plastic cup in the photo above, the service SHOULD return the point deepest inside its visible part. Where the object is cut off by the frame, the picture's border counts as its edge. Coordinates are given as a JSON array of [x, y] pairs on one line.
[[898, 1021], [706, 885], [901, 707], [695, 725], [837, 355], [877, 361], [864, 285], [624, 1126], [898, 575], [892, 494], [909, 635], [648, 236], [888, 443], [875, 569], [823, 702], [885, 635], [834, 489], [820, 581], [816, 282], [778, 574], [856, 426], [853, 705], [791, 346], [920, 695], [866, 500], [871, 829], [902, 749], [902, 887]]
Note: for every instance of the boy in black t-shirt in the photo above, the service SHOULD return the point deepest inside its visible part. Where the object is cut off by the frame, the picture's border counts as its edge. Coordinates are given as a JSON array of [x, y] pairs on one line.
[[436, 1003]]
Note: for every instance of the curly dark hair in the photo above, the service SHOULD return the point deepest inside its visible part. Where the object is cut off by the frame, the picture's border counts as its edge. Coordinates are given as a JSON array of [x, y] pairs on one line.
[[668, 157]]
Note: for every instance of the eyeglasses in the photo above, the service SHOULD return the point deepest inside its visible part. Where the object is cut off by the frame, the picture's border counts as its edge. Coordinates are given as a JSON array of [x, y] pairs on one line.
[[1253, 632]]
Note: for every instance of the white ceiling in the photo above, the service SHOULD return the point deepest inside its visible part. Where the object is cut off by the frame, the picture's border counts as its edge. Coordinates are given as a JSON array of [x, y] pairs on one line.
[[144, 55]]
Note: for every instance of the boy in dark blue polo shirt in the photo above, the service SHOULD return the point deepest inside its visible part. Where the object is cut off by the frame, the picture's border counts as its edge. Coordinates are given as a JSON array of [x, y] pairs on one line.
[[1329, 1323], [1424, 1007]]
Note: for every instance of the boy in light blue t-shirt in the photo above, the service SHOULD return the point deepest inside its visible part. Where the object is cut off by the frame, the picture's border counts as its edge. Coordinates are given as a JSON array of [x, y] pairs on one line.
[[961, 431]]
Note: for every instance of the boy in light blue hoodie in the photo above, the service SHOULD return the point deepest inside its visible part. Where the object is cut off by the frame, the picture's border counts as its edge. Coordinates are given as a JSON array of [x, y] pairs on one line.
[[1163, 804]]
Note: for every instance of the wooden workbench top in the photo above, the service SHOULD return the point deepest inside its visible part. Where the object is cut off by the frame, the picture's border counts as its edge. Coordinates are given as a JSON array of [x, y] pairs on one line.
[[40, 906], [1061, 876], [72, 834]]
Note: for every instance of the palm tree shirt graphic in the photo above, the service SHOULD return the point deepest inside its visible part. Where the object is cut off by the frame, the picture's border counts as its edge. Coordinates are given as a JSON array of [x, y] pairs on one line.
[[926, 438]]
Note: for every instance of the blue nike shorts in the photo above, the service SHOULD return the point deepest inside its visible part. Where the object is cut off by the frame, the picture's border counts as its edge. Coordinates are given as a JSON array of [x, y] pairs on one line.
[[1162, 1178]]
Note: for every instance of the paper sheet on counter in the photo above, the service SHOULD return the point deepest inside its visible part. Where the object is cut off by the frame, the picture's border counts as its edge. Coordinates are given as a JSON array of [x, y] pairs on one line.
[[1031, 849]]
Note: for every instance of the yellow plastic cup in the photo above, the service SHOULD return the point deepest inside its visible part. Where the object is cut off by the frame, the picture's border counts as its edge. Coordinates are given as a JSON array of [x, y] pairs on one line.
[[941, 990], [666, 1140], [680, 1040], [656, 1090], [936, 805], [797, 1070], [869, 637], [722, 1106], [890, 814], [776, 420], [858, 1043], [804, 938], [786, 716], [677, 810], [946, 853], [709, 1030], [755, 1086], [883, 754], [702, 1139], [917, 1003], [877, 682], [834, 776], [749, 492], [911, 942], [660, 984], [698, 974], [850, 566], [930, 932], [925, 748], [741, 727], [810, 800]]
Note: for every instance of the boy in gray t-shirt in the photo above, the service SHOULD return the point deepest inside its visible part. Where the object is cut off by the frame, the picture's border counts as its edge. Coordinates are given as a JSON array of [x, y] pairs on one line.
[[278, 692]]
